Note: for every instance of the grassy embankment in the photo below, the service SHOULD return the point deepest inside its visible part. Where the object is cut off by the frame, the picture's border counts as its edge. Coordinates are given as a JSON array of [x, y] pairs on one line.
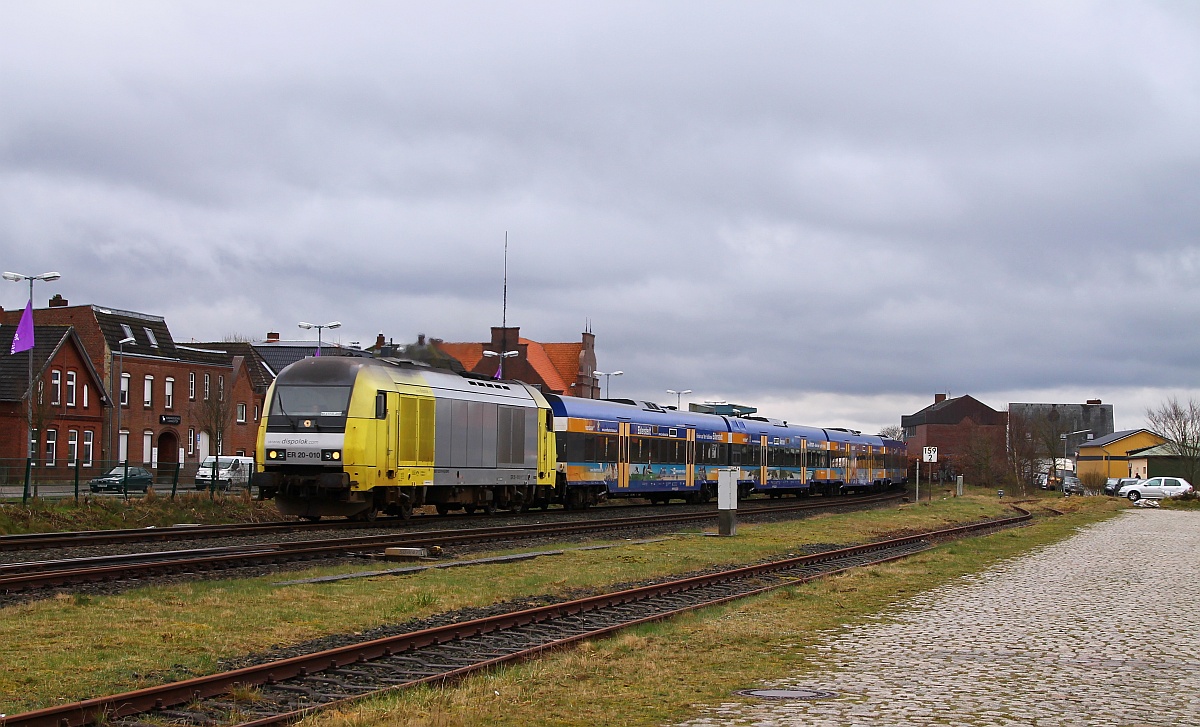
[[74, 647], [107, 512]]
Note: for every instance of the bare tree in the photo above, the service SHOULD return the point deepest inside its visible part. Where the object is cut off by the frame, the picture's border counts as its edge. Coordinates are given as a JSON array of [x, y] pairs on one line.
[[1179, 424], [1049, 431], [214, 414], [982, 460], [893, 431], [1022, 452]]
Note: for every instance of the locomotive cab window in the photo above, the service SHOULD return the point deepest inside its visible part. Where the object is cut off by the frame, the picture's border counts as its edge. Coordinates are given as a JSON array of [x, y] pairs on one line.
[[310, 401]]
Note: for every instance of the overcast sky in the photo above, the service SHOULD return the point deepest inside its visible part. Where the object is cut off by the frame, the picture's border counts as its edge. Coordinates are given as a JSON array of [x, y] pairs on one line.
[[829, 210]]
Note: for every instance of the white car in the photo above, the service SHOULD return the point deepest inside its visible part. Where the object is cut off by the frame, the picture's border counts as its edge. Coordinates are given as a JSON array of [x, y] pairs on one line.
[[1155, 488]]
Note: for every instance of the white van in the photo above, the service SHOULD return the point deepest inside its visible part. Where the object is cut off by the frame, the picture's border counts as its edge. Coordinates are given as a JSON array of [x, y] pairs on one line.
[[234, 471]]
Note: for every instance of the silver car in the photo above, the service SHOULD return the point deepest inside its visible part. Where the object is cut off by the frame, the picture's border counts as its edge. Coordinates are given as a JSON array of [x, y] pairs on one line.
[[1155, 488]]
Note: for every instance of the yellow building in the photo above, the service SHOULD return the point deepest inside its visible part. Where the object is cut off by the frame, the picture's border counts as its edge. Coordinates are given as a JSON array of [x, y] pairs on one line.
[[1109, 455]]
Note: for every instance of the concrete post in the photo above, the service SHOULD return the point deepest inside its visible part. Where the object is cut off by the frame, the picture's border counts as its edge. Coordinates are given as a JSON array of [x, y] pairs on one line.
[[727, 484]]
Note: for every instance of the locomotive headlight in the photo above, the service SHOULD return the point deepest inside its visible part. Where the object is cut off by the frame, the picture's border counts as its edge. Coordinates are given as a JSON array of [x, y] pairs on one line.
[[331, 455], [277, 454]]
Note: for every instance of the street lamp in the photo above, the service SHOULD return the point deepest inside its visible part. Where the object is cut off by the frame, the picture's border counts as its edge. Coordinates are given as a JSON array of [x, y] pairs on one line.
[[501, 356], [17, 278], [678, 395], [319, 327], [607, 378], [120, 381]]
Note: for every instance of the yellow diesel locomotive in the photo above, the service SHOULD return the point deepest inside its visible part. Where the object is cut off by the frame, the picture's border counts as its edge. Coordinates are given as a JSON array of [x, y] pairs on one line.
[[355, 437]]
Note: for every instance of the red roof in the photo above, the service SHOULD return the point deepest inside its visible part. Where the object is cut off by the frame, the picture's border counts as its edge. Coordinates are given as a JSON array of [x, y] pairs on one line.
[[468, 354], [535, 355]]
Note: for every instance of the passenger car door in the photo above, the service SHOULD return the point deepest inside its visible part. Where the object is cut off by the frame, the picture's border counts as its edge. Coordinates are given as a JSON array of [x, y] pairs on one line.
[[1172, 486], [1152, 487]]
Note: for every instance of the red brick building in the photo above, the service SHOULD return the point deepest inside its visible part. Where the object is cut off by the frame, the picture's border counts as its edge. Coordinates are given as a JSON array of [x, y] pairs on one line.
[[70, 404], [968, 433], [557, 368], [175, 400]]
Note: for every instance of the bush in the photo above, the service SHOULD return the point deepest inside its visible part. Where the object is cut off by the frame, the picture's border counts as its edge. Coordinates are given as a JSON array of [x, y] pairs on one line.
[[1093, 481]]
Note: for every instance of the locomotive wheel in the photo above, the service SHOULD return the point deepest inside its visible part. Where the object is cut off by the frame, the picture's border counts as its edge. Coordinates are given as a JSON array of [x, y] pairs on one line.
[[442, 508], [470, 509]]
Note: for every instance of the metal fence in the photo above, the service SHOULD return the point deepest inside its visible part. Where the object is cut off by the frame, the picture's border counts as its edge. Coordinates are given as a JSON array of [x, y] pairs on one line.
[[23, 478]]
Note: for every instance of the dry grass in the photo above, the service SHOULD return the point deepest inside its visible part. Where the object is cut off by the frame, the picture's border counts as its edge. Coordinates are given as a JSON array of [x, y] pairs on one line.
[[72, 648]]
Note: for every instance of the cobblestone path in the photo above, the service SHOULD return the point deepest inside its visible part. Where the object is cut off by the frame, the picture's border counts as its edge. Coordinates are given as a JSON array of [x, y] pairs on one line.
[[1098, 630]]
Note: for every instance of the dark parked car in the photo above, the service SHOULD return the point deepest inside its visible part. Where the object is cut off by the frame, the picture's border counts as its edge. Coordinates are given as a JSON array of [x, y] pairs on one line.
[[1072, 485], [138, 480], [1116, 483]]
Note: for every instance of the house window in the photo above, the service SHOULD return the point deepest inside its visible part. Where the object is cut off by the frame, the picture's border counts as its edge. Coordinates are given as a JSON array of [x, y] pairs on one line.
[[191, 441], [71, 375], [150, 337], [206, 382], [34, 435], [256, 412], [51, 446], [123, 445], [147, 446], [124, 389], [72, 446], [192, 386], [169, 393], [241, 413], [87, 448], [55, 387], [221, 387], [148, 392]]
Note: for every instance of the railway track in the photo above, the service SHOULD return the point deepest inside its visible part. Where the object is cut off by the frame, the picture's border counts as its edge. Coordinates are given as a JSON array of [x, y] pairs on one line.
[[81, 538], [30, 576], [283, 691]]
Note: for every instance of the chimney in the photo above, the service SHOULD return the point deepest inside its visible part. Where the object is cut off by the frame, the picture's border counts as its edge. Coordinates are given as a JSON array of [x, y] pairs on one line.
[[420, 339], [58, 301], [272, 337], [1094, 402], [379, 341], [939, 398]]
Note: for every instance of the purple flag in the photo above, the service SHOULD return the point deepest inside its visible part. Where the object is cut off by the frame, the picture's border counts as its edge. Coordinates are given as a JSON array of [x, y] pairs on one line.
[[23, 338]]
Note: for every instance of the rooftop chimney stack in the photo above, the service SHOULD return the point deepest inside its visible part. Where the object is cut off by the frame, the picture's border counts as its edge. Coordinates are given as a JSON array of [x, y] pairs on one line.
[[272, 337], [939, 398], [58, 301]]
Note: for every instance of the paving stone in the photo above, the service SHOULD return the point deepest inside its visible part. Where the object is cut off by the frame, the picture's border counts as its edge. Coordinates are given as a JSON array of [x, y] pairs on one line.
[[1096, 630]]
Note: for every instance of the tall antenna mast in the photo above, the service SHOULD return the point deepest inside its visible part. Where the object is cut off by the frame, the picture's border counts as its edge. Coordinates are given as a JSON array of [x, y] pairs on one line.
[[504, 312], [504, 308]]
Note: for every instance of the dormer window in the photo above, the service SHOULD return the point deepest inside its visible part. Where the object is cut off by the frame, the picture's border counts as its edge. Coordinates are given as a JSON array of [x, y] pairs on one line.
[[128, 331]]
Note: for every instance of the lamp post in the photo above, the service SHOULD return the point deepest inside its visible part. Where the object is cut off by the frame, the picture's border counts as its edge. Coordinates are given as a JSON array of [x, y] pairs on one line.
[[319, 327], [17, 278], [607, 379], [501, 355], [1066, 443], [120, 381], [678, 396]]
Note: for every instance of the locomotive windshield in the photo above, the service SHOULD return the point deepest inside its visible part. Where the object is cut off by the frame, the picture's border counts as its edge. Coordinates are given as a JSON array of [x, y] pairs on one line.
[[310, 401]]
